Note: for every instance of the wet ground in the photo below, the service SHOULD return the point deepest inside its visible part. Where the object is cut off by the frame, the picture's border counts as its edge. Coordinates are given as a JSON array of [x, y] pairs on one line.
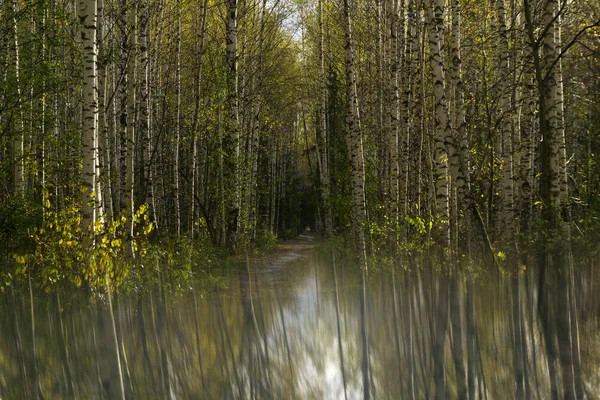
[[292, 326]]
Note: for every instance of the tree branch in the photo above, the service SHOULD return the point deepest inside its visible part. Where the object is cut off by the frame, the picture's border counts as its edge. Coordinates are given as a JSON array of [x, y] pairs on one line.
[[570, 44]]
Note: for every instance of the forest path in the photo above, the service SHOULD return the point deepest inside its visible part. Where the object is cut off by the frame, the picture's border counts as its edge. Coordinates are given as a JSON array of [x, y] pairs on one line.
[[276, 265]]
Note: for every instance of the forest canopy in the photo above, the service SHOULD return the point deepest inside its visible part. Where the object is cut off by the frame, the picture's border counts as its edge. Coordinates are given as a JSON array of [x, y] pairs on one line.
[[469, 126]]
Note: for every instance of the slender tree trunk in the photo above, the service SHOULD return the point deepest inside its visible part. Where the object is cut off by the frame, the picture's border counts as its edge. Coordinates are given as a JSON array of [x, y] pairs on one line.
[[231, 142], [577, 372], [507, 215], [462, 180], [434, 18], [519, 359], [111, 375], [195, 127], [87, 16], [123, 87], [365, 366], [253, 155], [34, 371], [176, 151], [471, 335], [18, 144], [394, 125], [145, 194], [131, 122], [553, 258], [414, 109], [324, 137], [355, 145], [458, 353], [339, 329], [103, 153], [526, 147]]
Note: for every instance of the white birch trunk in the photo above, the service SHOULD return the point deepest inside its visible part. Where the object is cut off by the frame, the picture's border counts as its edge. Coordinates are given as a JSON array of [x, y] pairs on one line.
[[177, 123], [87, 16], [442, 128], [103, 154], [462, 180], [560, 103], [131, 120], [144, 102], [355, 145], [458, 108], [18, 144], [123, 87], [549, 52], [413, 111], [507, 214], [527, 127], [324, 143], [394, 128], [232, 147]]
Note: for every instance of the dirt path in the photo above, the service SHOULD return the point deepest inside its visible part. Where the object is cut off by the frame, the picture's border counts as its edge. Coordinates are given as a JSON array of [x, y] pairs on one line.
[[275, 266]]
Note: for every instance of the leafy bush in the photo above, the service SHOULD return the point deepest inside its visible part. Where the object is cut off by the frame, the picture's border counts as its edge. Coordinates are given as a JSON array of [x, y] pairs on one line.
[[18, 218], [265, 240], [58, 256]]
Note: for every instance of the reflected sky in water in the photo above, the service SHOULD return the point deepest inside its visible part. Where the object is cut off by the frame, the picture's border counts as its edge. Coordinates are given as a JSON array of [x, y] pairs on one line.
[[289, 328]]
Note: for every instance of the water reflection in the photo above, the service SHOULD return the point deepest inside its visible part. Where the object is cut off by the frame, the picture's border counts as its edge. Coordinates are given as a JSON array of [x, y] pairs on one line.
[[292, 329]]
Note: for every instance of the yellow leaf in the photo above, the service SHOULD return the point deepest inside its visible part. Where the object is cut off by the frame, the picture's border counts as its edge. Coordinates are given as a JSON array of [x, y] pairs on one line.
[[148, 228]]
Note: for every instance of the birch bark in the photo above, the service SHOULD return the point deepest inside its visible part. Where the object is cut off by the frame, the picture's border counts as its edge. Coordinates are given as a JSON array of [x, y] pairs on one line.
[[131, 121], [324, 147], [231, 142], [18, 144], [355, 144], [394, 102], [144, 104], [442, 129], [507, 215], [87, 16], [177, 123]]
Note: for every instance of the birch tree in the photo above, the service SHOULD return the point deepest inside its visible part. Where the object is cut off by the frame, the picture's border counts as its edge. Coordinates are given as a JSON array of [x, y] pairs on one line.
[[14, 68], [324, 144], [355, 144], [87, 16], [394, 125], [128, 195], [554, 259], [176, 150], [507, 214], [442, 128], [144, 103], [231, 142]]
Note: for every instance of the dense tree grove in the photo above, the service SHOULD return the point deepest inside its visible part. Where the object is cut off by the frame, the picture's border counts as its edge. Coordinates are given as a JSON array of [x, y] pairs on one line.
[[176, 117], [467, 131], [471, 125]]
